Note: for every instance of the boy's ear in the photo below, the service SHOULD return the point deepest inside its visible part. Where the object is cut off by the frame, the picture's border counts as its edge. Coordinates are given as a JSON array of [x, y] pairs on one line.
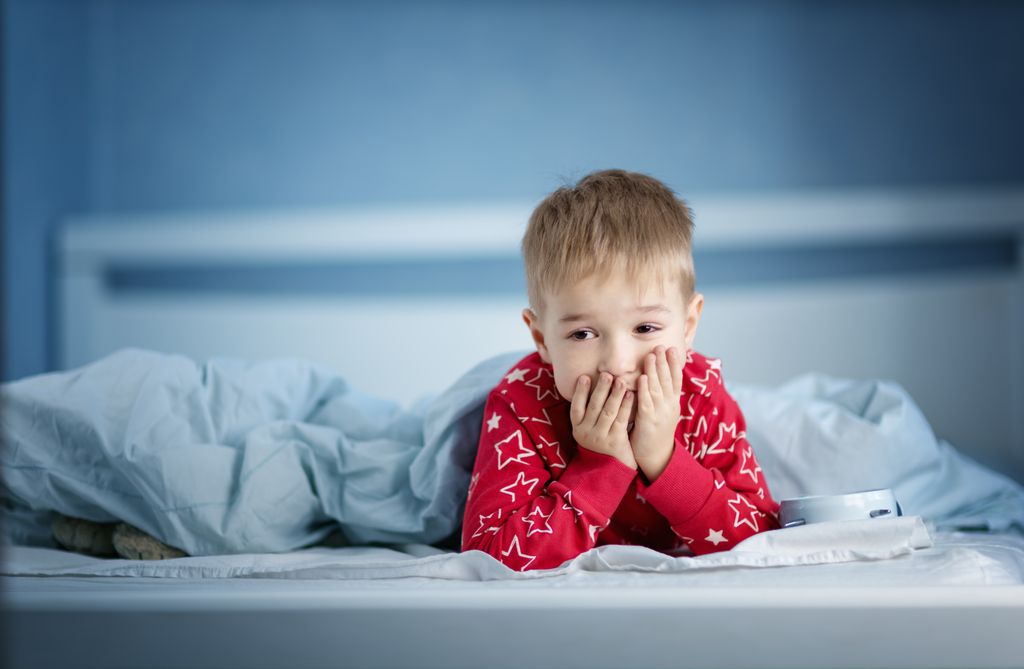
[[693, 318], [533, 322]]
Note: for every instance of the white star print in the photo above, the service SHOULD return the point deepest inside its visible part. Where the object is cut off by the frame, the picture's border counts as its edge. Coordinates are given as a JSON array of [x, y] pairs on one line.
[[688, 442], [701, 426], [473, 480], [748, 457], [516, 375], [690, 437], [519, 553], [546, 419], [521, 419], [714, 365], [534, 529], [722, 430], [715, 537], [689, 408], [520, 482], [542, 391], [553, 445], [569, 506], [640, 498], [594, 529], [492, 424], [751, 512], [483, 523], [511, 443]]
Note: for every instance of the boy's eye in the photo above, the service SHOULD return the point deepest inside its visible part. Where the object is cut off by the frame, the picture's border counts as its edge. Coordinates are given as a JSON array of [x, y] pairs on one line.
[[580, 335], [646, 328]]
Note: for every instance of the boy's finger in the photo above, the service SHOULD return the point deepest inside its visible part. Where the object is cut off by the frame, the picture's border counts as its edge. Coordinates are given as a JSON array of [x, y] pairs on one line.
[[651, 370], [675, 364], [611, 407], [578, 407], [643, 393], [597, 398], [622, 420], [664, 372]]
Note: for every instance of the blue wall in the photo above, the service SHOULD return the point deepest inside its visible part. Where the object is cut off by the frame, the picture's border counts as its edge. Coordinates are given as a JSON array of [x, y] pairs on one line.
[[45, 138], [118, 105]]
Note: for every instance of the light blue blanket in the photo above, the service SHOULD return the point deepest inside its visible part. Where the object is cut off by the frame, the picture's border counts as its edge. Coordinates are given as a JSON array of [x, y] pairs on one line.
[[229, 457]]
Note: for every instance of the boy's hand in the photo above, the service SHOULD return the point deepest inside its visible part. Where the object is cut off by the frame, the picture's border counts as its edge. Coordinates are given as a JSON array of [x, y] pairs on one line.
[[599, 423], [658, 391]]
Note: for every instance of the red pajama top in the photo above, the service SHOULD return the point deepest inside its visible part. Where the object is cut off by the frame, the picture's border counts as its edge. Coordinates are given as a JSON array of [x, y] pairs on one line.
[[536, 499]]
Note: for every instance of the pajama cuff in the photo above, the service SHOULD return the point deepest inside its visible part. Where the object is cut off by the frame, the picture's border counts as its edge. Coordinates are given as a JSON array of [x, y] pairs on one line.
[[682, 490], [598, 482]]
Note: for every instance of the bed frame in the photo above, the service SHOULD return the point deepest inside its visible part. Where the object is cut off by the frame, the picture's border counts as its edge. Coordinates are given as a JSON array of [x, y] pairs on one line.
[[598, 628]]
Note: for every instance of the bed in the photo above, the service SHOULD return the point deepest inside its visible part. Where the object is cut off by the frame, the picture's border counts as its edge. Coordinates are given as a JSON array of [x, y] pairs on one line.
[[896, 593]]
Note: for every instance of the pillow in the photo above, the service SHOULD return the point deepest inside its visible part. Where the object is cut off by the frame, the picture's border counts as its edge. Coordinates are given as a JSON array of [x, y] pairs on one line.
[[819, 435]]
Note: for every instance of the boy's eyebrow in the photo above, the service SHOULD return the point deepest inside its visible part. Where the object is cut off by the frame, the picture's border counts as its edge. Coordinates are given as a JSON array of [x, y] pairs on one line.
[[568, 318]]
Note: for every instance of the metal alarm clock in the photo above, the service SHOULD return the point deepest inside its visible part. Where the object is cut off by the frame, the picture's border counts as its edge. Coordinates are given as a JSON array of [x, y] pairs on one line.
[[861, 505]]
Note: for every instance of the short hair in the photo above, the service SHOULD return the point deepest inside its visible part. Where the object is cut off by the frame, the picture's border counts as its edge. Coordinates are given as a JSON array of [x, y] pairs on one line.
[[609, 218]]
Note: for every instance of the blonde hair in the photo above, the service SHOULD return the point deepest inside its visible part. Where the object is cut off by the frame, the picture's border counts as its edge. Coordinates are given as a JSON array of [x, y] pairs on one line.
[[608, 219]]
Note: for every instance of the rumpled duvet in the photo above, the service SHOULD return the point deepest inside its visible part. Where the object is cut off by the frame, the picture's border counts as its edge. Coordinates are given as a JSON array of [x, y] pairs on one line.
[[271, 456]]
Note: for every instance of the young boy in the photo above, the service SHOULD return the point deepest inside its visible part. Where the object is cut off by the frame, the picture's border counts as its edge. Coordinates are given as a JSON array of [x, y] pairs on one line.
[[614, 431]]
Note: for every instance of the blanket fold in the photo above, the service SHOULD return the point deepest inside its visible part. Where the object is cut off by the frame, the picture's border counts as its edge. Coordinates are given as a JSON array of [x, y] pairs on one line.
[[228, 457]]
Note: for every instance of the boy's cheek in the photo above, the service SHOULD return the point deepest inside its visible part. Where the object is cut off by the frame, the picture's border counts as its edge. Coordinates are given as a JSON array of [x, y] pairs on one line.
[[565, 387], [565, 380], [567, 370]]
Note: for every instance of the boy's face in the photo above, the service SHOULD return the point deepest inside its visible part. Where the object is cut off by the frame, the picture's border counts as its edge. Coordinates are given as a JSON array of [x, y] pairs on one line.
[[608, 324]]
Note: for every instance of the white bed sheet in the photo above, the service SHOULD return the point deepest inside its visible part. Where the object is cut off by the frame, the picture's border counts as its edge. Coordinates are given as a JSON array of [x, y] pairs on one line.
[[896, 552], [955, 560]]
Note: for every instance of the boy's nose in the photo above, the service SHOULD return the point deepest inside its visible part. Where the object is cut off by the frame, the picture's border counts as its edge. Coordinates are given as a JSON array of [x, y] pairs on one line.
[[619, 362]]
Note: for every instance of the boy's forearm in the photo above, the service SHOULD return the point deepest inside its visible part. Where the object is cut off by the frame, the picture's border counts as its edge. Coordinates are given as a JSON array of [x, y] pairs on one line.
[[652, 449], [523, 514], [552, 524], [653, 465], [710, 513]]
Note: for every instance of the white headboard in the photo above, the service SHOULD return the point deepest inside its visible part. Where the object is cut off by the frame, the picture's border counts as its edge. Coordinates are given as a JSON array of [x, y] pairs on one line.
[[925, 287]]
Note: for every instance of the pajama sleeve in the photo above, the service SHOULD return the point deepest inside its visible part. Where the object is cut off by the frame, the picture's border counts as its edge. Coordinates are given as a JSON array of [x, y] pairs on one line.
[[712, 492], [527, 506]]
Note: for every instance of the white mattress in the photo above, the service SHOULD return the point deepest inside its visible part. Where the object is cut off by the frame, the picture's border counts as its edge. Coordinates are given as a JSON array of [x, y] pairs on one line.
[[959, 602]]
